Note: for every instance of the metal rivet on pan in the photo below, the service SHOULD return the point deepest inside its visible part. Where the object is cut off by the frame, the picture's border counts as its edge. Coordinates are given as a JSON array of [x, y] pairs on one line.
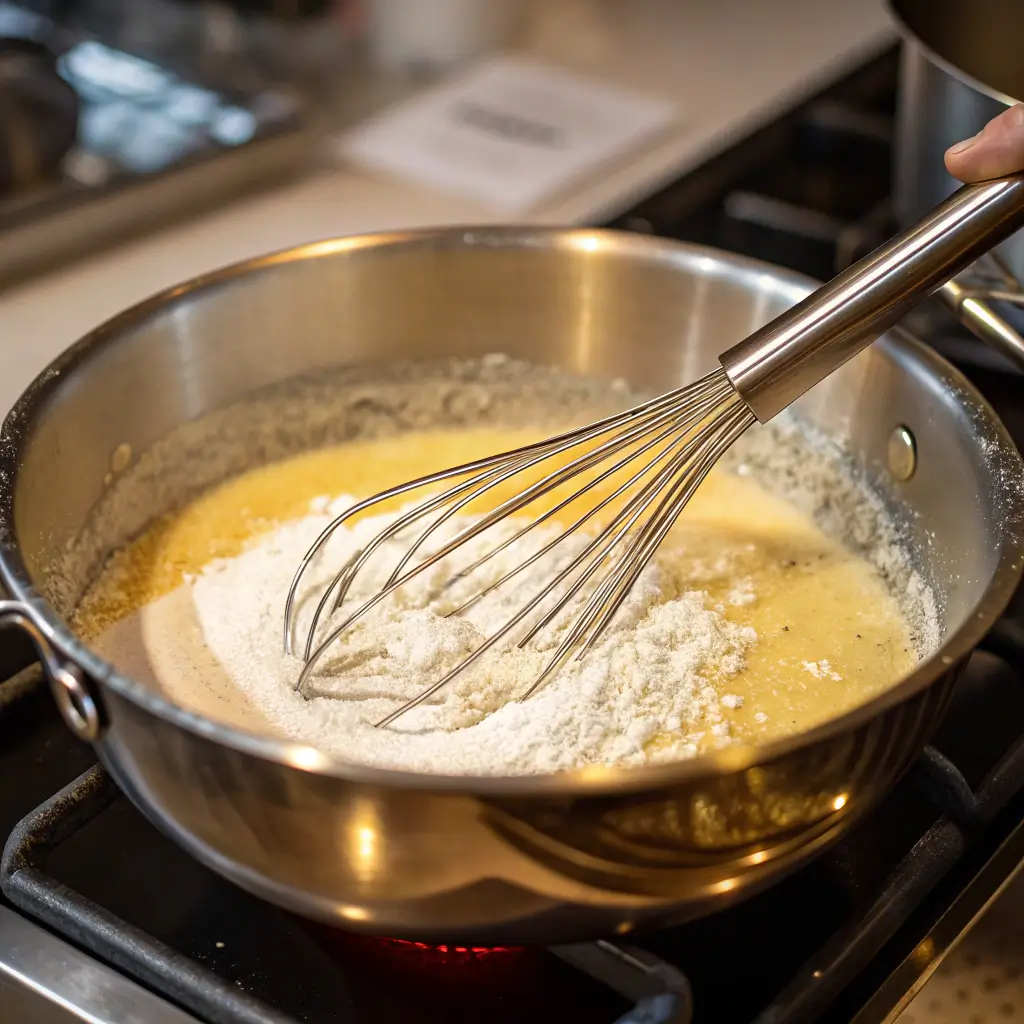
[[902, 453]]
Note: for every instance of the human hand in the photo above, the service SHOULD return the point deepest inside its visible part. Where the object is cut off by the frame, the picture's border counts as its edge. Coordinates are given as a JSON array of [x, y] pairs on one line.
[[996, 150]]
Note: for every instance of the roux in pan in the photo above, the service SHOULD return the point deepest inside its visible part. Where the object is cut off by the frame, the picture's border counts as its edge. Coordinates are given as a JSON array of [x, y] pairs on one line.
[[823, 633]]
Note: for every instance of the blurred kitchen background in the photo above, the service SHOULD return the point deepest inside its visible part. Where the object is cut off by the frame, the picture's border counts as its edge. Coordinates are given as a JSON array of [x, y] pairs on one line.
[[143, 142], [118, 117]]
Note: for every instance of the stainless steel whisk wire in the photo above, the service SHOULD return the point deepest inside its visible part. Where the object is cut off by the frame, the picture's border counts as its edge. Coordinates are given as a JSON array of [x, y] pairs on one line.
[[507, 466], [511, 460], [694, 425], [673, 414]]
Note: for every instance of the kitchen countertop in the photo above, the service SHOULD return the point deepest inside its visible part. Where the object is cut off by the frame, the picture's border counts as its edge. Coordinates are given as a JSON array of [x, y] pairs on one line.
[[730, 65]]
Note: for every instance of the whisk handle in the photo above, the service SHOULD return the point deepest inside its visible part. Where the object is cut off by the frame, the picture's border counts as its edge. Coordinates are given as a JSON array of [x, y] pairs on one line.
[[775, 365]]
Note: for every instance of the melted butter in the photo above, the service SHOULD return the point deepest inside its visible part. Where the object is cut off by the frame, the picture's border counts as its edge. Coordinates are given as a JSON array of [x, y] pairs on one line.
[[829, 634]]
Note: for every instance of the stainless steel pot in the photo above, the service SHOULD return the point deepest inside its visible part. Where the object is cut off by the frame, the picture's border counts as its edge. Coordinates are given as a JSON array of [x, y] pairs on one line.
[[546, 858], [960, 66]]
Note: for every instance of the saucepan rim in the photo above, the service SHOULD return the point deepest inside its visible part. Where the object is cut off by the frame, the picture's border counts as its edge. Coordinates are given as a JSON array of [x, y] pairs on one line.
[[589, 781]]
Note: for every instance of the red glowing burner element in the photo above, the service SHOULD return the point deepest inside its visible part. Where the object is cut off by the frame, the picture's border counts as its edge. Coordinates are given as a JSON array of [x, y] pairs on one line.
[[449, 954]]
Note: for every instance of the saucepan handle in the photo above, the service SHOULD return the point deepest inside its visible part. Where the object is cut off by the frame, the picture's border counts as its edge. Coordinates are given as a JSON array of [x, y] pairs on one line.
[[79, 705], [970, 295]]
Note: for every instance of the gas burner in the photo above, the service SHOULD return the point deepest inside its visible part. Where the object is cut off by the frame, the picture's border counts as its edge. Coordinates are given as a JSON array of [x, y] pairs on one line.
[[448, 954], [442, 962]]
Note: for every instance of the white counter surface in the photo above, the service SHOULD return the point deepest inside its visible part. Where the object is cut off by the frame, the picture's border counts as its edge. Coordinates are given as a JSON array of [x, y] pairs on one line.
[[728, 64]]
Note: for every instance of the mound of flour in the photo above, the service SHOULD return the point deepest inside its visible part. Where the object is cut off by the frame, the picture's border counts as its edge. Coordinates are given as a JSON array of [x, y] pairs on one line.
[[660, 669]]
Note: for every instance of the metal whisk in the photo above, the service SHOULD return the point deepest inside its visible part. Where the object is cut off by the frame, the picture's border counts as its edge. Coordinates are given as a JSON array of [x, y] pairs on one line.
[[654, 457]]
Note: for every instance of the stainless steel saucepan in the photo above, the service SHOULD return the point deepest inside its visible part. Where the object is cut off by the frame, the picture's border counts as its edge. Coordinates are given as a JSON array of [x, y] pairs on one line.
[[549, 858], [960, 66]]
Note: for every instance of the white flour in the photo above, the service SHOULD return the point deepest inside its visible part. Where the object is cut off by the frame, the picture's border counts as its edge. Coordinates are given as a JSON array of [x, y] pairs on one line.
[[657, 672]]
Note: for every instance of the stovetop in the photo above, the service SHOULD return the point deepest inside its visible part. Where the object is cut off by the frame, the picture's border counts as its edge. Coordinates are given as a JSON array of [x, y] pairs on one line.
[[842, 939]]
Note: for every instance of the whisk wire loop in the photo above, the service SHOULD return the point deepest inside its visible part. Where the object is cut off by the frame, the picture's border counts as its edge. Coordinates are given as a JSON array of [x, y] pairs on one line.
[[675, 439], [702, 451], [492, 462], [655, 531], [569, 530], [616, 585]]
